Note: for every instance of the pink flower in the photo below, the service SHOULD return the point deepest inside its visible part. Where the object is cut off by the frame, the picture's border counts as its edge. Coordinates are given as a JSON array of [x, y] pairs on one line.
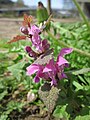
[[33, 69], [56, 69], [50, 68], [65, 51], [38, 69], [53, 71], [34, 31], [61, 62]]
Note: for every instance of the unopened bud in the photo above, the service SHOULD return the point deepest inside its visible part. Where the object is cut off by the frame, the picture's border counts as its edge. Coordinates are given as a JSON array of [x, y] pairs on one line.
[[31, 97], [30, 52], [24, 30], [45, 45]]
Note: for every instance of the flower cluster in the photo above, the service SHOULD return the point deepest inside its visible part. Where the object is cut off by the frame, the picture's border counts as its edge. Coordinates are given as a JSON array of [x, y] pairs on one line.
[[33, 32], [52, 71]]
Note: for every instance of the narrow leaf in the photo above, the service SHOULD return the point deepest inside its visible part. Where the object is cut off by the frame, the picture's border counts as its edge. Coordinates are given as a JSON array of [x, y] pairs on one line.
[[81, 71], [77, 72]]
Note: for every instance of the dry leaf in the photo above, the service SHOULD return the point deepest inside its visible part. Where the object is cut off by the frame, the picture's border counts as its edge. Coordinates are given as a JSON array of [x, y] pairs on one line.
[[27, 20], [17, 38]]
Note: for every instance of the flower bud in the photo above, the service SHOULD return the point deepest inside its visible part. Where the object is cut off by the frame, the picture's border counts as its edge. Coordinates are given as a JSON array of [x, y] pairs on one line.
[[45, 45], [30, 52], [31, 97], [24, 30]]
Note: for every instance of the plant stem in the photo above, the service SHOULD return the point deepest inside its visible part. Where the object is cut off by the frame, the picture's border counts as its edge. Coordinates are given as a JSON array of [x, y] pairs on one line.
[[69, 46], [82, 14]]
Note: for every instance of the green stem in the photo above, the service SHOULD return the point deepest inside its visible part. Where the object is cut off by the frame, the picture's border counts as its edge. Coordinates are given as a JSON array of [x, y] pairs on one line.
[[82, 14], [69, 46]]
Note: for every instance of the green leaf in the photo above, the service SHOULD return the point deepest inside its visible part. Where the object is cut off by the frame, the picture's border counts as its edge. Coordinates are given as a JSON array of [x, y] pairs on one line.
[[16, 69], [4, 117], [60, 112], [86, 117], [3, 94], [81, 71], [77, 85], [77, 72], [13, 105], [82, 79]]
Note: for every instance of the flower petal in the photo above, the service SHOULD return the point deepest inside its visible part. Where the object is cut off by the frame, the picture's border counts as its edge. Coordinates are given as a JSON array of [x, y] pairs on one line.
[[50, 66], [65, 51], [62, 75], [36, 79], [34, 29], [53, 82], [28, 49], [61, 61], [32, 69]]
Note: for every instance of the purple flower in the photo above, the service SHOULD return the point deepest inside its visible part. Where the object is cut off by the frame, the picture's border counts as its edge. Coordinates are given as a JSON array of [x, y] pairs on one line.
[[61, 62], [45, 45], [33, 69], [51, 70], [56, 69], [38, 69], [30, 52], [34, 31], [65, 51]]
